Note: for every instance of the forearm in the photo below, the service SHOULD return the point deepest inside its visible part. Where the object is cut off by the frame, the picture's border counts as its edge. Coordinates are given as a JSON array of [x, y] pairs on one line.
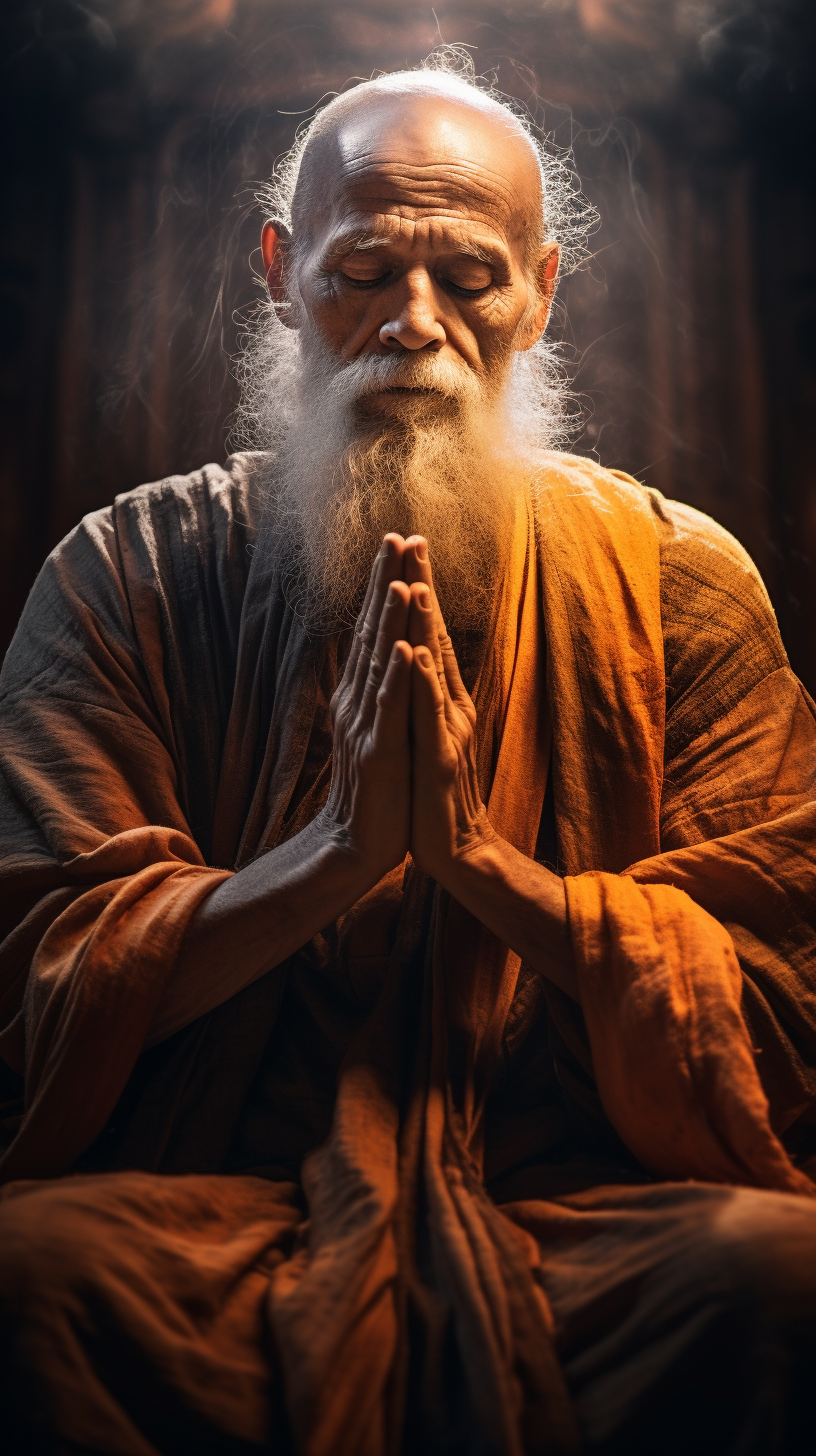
[[254, 920], [521, 902]]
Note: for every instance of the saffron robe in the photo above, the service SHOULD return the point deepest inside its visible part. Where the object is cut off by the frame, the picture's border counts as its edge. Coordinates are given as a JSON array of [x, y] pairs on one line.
[[165, 719]]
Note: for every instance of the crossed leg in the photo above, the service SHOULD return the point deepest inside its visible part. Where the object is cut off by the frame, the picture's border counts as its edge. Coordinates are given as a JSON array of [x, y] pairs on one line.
[[686, 1316], [133, 1314]]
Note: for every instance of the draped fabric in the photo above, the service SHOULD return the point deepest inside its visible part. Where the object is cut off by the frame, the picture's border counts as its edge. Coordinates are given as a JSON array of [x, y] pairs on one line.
[[659, 975], [165, 719]]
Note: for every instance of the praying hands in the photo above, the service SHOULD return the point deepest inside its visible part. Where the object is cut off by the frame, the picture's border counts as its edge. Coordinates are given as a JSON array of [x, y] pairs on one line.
[[404, 767]]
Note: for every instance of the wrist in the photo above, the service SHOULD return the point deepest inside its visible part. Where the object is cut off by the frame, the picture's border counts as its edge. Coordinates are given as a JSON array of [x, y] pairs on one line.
[[477, 854], [343, 854], [523, 904]]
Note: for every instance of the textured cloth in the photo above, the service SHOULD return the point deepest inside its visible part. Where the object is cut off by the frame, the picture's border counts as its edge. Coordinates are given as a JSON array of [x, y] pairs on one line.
[[165, 719], [135, 1310]]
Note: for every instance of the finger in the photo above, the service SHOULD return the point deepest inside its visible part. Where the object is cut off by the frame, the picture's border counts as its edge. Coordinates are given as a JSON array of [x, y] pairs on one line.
[[453, 679], [393, 701], [392, 627], [417, 562], [354, 648], [387, 599], [428, 722], [387, 568], [422, 623], [417, 569], [422, 633]]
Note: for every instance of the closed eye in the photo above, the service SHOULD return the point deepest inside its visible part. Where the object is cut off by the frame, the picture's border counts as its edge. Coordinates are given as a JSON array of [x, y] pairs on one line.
[[466, 277], [456, 288], [466, 292], [365, 282]]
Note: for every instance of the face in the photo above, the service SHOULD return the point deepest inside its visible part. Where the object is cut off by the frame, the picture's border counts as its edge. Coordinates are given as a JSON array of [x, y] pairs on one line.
[[424, 244]]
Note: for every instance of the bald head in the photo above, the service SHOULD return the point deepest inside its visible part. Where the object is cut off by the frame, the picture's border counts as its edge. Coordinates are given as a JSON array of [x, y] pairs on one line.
[[440, 140]]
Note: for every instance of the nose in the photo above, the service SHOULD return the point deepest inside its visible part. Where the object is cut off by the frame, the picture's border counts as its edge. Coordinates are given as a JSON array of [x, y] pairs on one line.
[[415, 324]]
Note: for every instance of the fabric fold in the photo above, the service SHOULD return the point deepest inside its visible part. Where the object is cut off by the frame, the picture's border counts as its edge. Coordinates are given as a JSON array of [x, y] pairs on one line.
[[104, 961], [660, 990]]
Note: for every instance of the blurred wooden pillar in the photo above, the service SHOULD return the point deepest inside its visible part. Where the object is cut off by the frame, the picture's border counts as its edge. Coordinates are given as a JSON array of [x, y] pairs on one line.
[[34, 274], [709, 437], [103, 440], [786, 213]]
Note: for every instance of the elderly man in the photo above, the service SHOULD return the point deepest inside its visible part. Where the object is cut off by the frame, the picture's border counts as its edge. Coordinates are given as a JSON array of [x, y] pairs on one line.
[[410, 1034]]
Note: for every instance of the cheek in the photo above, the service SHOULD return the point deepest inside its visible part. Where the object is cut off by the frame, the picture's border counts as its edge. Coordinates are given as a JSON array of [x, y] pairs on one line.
[[337, 316], [497, 327]]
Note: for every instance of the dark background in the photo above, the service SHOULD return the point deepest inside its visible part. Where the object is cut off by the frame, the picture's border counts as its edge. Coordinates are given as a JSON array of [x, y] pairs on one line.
[[133, 132]]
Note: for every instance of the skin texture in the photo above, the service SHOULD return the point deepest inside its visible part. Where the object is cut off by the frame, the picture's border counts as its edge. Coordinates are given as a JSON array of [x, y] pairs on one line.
[[425, 237]]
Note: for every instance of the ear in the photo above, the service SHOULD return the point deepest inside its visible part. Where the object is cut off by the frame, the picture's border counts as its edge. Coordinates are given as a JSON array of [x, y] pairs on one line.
[[546, 277], [275, 247]]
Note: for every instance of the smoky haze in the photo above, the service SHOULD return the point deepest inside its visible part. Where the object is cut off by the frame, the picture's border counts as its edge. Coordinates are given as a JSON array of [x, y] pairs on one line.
[[136, 134]]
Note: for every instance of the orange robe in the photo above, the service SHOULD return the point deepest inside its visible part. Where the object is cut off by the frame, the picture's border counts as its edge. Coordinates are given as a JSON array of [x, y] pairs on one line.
[[165, 719]]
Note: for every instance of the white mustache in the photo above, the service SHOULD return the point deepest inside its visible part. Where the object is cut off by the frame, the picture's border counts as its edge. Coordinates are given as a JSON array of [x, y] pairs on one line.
[[373, 373]]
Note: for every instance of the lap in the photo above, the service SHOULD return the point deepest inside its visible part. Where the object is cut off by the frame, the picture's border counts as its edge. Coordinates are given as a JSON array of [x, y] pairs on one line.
[[685, 1313], [130, 1300], [136, 1303]]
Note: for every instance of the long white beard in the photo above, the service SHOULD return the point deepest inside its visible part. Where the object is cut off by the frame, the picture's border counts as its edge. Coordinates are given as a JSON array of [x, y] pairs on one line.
[[346, 467]]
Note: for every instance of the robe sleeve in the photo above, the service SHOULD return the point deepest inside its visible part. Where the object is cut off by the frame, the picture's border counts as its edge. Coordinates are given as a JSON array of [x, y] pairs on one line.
[[100, 871], [697, 966]]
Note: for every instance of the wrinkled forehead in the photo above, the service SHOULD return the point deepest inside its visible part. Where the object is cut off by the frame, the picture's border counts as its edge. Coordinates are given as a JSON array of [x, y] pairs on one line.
[[419, 156]]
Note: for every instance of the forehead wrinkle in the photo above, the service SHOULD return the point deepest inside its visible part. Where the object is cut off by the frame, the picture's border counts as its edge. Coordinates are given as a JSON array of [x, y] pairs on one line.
[[383, 215], [461, 179], [390, 231]]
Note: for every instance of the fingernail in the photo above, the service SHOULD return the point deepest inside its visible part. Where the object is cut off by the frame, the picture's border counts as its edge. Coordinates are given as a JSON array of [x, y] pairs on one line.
[[421, 551]]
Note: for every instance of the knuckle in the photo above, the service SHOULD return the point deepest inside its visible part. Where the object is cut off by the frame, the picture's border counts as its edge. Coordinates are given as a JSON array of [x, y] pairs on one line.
[[363, 634], [342, 717]]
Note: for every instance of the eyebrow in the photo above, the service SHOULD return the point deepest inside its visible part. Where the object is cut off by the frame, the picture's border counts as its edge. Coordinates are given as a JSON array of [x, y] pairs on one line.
[[362, 242]]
